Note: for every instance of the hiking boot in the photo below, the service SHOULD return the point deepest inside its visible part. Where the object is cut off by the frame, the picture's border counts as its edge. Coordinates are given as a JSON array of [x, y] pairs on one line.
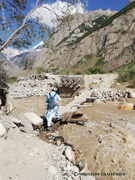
[[59, 118], [48, 128]]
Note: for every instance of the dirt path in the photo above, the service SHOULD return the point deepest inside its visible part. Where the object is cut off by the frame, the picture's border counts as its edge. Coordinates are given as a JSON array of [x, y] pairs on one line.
[[25, 157]]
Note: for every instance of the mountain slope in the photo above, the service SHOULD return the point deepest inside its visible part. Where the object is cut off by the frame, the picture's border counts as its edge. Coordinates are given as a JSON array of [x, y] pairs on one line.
[[80, 24], [112, 42], [10, 68], [76, 21]]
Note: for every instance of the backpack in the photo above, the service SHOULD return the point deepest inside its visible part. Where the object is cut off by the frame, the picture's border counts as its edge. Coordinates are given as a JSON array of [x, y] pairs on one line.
[[51, 101]]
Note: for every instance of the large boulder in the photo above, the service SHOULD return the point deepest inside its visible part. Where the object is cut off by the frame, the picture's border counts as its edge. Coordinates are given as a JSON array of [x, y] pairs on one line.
[[7, 122], [132, 94], [34, 118], [26, 125], [15, 120], [69, 154]]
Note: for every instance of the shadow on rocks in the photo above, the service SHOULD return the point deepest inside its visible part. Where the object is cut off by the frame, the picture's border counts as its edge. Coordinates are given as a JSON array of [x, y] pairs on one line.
[[44, 122]]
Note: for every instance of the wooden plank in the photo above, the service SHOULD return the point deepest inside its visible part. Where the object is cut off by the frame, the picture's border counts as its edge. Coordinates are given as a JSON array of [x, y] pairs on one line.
[[76, 116], [70, 116], [85, 105], [78, 120], [67, 118], [64, 117], [79, 106], [55, 126]]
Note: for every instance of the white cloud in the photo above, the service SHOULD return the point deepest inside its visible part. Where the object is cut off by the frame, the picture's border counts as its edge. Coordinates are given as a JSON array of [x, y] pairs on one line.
[[87, 3], [58, 7]]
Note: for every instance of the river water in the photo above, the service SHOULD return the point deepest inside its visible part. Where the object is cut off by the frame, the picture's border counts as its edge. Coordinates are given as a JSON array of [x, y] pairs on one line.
[[106, 142]]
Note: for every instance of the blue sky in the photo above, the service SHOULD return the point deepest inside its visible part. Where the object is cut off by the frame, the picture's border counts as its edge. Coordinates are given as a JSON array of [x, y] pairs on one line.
[[105, 4], [88, 6]]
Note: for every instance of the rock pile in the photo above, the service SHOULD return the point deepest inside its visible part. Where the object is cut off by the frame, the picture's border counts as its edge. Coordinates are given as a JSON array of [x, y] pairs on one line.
[[64, 160], [63, 164], [40, 85], [111, 94], [35, 85], [71, 85]]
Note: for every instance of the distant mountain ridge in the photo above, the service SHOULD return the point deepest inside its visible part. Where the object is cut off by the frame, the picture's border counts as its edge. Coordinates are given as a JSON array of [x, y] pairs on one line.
[[10, 53], [79, 25], [13, 57]]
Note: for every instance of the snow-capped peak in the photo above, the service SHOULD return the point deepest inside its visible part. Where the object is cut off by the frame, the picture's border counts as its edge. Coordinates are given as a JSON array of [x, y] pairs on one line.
[[38, 46], [9, 52]]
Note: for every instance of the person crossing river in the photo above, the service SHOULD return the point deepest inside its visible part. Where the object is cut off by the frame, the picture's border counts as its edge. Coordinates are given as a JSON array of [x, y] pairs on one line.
[[52, 107]]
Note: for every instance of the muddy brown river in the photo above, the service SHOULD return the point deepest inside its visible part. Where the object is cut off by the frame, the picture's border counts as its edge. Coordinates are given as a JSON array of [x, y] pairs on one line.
[[107, 141]]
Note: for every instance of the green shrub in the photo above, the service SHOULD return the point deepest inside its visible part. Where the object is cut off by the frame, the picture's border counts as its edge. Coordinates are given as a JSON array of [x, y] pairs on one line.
[[96, 70], [54, 70], [27, 63], [98, 67], [88, 56], [78, 71], [132, 84], [40, 69], [11, 79], [100, 62], [127, 75]]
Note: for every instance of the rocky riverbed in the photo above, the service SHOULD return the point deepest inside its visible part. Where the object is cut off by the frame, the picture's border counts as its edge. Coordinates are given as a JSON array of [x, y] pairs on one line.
[[105, 143], [25, 156]]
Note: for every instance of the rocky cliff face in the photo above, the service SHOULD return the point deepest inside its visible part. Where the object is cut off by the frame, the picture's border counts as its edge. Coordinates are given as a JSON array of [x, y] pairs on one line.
[[114, 43], [91, 15], [76, 20], [80, 23]]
